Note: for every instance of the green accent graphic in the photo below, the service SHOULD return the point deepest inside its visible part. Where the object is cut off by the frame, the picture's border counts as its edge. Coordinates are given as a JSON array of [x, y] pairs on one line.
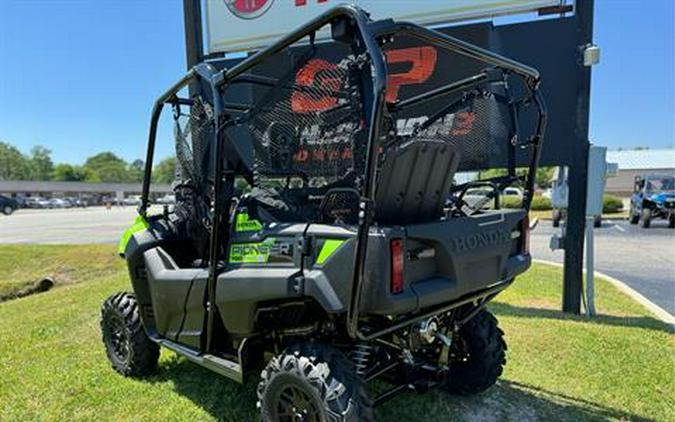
[[243, 224], [139, 224], [329, 247]]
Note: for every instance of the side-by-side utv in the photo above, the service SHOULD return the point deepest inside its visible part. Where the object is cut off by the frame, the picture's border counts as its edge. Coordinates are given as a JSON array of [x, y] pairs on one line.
[[320, 233]]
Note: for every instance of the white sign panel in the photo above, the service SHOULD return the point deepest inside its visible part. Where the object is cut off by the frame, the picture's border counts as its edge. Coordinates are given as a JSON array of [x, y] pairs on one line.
[[240, 25]]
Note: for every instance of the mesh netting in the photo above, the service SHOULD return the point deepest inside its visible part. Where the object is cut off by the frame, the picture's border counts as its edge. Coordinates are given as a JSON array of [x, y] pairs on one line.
[[477, 124], [309, 123], [193, 134]]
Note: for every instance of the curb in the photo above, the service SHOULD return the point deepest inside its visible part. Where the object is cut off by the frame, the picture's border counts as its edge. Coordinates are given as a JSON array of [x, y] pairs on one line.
[[655, 309]]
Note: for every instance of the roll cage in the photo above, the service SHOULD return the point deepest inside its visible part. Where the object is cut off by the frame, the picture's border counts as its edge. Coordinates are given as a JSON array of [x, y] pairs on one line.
[[369, 38]]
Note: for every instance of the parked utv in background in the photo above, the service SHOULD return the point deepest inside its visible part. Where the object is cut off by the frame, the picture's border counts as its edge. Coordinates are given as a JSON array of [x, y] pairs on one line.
[[653, 197], [343, 263]]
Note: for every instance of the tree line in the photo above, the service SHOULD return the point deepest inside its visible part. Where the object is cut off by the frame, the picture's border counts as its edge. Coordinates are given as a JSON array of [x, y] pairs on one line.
[[102, 167]]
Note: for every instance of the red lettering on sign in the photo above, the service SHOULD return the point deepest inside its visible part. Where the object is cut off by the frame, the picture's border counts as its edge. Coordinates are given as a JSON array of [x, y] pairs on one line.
[[310, 76], [316, 73], [422, 65]]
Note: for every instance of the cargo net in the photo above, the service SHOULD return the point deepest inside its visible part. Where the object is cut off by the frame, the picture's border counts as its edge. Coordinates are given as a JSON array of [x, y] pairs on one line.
[[477, 125], [193, 187], [193, 134], [306, 124], [486, 125]]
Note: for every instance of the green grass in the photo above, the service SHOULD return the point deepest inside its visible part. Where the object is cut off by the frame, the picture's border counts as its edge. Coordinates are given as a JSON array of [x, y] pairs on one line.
[[618, 366], [23, 265]]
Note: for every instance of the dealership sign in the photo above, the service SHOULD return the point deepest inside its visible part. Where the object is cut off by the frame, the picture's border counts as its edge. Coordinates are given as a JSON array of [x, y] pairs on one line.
[[241, 25]]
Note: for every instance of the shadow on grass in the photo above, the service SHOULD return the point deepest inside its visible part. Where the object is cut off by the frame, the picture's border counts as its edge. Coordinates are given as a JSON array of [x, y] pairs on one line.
[[226, 400], [644, 322], [222, 398], [506, 401]]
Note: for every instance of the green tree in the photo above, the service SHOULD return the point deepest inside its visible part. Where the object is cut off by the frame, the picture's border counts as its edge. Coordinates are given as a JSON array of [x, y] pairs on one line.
[[68, 173], [41, 162], [165, 171], [106, 167], [135, 171], [544, 176], [13, 164]]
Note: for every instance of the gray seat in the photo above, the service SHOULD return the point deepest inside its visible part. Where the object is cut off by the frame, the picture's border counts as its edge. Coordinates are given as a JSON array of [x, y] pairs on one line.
[[414, 182]]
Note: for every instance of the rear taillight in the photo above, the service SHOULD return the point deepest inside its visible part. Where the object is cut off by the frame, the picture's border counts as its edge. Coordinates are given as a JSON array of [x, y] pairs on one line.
[[525, 235], [397, 256]]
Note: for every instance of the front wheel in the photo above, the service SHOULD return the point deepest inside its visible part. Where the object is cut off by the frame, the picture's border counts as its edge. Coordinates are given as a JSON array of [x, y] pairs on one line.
[[129, 349], [7, 210], [671, 221], [312, 382], [646, 218], [484, 358], [633, 216]]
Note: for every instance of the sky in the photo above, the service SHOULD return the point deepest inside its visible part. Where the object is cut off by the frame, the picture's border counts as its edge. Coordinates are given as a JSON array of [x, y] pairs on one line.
[[80, 77]]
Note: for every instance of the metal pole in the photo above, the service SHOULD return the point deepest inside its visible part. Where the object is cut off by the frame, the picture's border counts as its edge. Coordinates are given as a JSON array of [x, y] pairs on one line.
[[194, 45], [576, 211], [590, 283]]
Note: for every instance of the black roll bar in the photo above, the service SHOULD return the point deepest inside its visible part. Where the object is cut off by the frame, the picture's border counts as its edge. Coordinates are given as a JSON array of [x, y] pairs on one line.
[[458, 46], [375, 106], [203, 71]]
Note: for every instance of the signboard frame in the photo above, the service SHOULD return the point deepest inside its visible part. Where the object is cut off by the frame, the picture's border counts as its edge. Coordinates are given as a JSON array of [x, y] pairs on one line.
[[560, 45]]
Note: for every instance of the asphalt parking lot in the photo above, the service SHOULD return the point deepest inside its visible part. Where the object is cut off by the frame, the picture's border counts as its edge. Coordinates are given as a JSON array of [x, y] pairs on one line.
[[642, 258], [62, 226]]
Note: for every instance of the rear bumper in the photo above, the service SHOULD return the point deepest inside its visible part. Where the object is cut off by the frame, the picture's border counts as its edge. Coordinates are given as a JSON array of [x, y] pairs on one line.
[[437, 291]]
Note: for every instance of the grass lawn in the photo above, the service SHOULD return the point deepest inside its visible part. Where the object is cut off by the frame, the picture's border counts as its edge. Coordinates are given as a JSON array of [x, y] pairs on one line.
[[23, 265], [618, 366]]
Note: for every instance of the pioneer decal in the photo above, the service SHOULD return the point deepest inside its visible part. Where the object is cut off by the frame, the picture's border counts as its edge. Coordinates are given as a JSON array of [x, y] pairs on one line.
[[272, 250]]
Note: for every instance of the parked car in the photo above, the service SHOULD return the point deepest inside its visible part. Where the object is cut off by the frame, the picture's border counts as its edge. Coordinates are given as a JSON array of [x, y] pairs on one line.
[[474, 196], [167, 200], [132, 200], [76, 202], [59, 203], [8, 205], [512, 191], [653, 197], [37, 202]]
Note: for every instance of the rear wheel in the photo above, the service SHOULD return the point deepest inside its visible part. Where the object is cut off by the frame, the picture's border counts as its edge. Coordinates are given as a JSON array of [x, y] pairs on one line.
[[556, 216], [484, 360], [671, 221], [129, 349], [633, 217], [646, 218], [7, 210], [311, 382]]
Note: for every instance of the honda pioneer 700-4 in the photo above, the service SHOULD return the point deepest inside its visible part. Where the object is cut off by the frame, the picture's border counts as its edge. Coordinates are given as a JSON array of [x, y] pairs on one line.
[[320, 237]]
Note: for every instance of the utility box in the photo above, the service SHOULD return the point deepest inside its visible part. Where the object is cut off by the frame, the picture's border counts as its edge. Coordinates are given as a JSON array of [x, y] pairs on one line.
[[598, 171]]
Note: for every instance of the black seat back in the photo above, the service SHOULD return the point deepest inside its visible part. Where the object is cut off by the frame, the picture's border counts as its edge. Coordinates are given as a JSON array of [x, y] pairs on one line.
[[414, 182]]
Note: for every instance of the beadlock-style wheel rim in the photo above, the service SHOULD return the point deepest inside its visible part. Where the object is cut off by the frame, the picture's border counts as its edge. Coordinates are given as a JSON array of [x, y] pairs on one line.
[[296, 405], [117, 338]]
